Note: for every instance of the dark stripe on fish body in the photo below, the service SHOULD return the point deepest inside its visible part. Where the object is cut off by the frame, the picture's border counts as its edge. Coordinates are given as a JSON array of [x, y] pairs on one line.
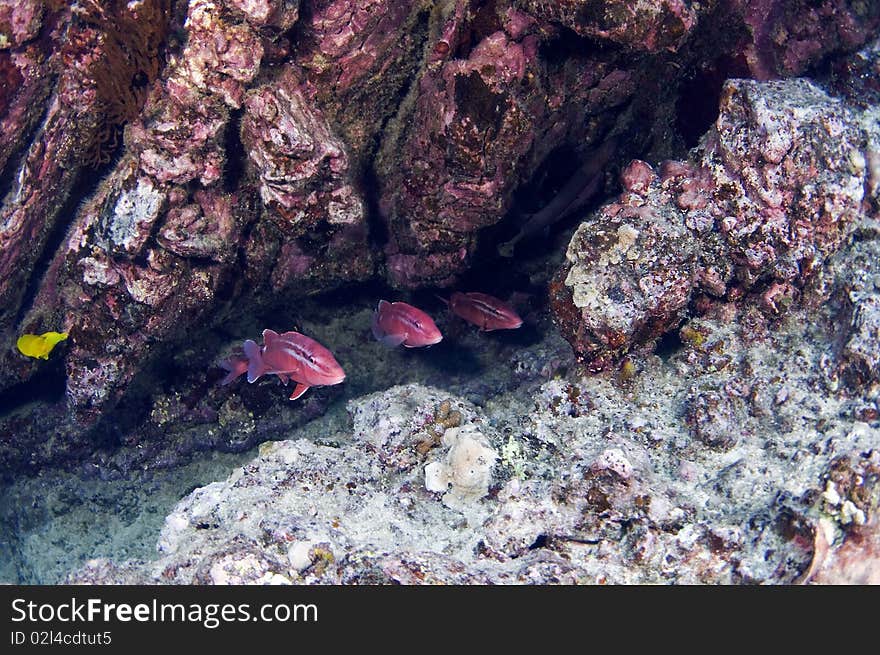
[[298, 352], [487, 308], [412, 322]]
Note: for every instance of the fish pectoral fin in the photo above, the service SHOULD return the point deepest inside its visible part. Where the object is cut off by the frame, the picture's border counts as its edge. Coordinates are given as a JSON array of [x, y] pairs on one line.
[[374, 326], [299, 390], [392, 340]]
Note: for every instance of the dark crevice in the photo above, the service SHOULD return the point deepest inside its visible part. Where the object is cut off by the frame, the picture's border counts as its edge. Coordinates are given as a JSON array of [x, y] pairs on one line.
[[299, 31], [570, 46], [485, 21], [668, 345], [377, 229], [545, 184], [540, 542], [84, 186], [236, 157], [371, 188], [133, 409], [16, 160], [548, 179], [699, 97]]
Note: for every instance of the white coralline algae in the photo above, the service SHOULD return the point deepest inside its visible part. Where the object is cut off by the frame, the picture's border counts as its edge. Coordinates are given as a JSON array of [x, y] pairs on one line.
[[465, 472]]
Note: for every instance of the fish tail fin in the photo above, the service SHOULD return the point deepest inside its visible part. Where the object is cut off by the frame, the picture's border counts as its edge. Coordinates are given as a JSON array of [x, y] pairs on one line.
[[231, 373], [234, 367], [255, 360]]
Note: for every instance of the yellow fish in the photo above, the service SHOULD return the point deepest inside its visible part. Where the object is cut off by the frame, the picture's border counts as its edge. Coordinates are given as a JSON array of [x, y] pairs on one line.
[[39, 345]]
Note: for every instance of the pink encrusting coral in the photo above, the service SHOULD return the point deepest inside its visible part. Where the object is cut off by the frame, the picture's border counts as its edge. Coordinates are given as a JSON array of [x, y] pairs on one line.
[[644, 26], [48, 166], [781, 42], [468, 133], [255, 152]]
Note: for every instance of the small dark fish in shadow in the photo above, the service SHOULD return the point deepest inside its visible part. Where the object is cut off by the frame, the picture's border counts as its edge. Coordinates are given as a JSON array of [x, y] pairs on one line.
[[577, 192]]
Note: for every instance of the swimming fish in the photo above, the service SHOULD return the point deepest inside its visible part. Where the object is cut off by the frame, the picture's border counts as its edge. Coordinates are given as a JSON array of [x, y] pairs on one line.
[[290, 356], [293, 356], [396, 323], [485, 311], [577, 192], [39, 346]]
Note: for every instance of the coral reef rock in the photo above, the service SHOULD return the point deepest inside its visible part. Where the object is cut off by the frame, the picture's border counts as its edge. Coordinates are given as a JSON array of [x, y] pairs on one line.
[[775, 187], [167, 168], [575, 479]]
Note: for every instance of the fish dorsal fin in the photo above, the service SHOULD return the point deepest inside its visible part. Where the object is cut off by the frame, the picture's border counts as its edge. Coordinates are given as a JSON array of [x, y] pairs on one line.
[[269, 336], [299, 390]]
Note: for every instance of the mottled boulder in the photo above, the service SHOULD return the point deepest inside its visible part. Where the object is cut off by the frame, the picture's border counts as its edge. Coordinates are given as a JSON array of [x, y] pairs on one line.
[[774, 189], [781, 38], [630, 277]]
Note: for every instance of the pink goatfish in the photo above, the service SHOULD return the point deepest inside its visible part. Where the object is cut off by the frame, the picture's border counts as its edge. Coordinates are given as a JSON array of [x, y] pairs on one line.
[[485, 311], [291, 356], [396, 323]]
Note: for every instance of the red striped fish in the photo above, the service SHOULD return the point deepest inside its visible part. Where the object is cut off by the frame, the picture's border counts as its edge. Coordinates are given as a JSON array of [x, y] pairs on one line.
[[396, 323], [485, 311], [290, 356]]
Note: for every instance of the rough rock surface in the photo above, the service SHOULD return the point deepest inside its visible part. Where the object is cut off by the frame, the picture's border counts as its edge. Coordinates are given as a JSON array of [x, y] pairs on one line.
[[146, 191], [780, 183], [748, 453], [739, 458], [178, 176]]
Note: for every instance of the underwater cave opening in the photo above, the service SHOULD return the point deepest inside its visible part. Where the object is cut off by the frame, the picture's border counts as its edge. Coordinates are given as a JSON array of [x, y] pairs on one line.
[[699, 97], [531, 243]]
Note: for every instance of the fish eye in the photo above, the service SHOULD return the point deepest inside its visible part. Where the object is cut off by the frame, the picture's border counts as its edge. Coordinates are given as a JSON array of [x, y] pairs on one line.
[[419, 325]]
